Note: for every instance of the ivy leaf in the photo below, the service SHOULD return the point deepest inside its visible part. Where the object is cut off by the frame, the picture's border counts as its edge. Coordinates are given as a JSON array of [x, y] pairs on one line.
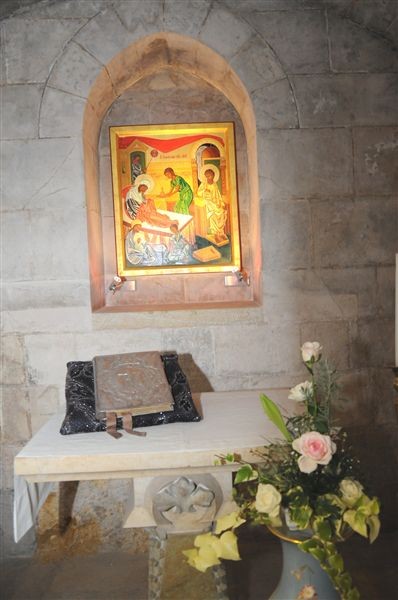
[[336, 562], [275, 416], [356, 521], [314, 548], [323, 529], [374, 527], [245, 473]]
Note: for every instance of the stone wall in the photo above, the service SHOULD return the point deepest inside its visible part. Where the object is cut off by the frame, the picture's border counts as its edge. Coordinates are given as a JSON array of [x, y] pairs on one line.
[[323, 80]]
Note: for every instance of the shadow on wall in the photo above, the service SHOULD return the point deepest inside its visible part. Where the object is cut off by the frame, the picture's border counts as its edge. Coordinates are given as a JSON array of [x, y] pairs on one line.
[[198, 381]]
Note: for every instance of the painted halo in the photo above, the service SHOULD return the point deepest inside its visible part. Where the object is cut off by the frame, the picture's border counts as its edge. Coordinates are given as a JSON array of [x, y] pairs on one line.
[[209, 167], [144, 179]]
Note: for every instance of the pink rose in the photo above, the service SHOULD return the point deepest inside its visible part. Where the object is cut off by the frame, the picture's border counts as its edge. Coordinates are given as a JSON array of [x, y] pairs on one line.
[[315, 449]]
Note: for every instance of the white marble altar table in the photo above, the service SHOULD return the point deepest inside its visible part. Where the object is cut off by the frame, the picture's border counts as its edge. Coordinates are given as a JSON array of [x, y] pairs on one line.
[[176, 486]]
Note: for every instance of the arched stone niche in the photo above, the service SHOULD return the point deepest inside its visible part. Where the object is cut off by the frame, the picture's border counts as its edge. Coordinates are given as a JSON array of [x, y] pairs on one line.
[[125, 75]]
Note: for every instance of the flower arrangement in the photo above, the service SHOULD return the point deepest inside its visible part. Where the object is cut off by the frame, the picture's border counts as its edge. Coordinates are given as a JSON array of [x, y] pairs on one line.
[[307, 481]]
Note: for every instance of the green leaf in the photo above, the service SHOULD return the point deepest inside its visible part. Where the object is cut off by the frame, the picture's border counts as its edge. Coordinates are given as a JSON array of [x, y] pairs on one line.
[[323, 529], [314, 548], [374, 527], [301, 515], [229, 458], [275, 416], [356, 521], [336, 562], [308, 545], [353, 594], [245, 473], [344, 582], [318, 553]]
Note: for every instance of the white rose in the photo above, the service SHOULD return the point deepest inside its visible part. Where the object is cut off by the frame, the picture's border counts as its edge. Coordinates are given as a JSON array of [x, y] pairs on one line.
[[351, 491], [268, 499], [301, 391], [311, 351]]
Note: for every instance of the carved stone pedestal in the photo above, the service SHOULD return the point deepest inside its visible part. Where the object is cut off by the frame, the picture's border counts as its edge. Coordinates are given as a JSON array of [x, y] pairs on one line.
[[172, 505]]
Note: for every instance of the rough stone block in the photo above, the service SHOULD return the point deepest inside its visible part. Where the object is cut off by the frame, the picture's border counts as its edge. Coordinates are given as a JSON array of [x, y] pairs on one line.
[[40, 352], [377, 16], [134, 12], [356, 49], [25, 38], [251, 349], [384, 397], [357, 284], [12, 363], [373, 343], [61, 114], [132, 108], [385, 291], [66, 8], [256, 381], [334, 339], [15, 230], [20, 111], [286, 234], [224, 32], [275, 106], [47, 320], [256, 62], [343, 100], [176, 318], [299, 163], [188, 18], [297, 37], [75, 71], [348, 233], [22, 295], [58, 244], [105, 47], [53, 168], [375, 160], [354, 403], [44, 402], [199, 343], [264, 6], [115, 342], [303, 295], [16, 419]]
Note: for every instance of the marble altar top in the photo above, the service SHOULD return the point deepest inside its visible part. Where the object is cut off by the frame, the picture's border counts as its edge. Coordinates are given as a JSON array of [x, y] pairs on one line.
[[232, 422]]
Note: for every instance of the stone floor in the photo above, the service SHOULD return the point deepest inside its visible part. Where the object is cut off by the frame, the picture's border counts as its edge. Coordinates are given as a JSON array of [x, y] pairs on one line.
[[123, 576]]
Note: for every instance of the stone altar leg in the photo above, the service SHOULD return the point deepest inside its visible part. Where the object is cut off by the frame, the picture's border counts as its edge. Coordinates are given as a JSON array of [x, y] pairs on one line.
[[67, 495], [220, 580], [157, 555], [174, 505]]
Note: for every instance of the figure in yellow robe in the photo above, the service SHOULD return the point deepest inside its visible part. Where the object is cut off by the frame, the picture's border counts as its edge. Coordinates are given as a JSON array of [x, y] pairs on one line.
[[215, 206]]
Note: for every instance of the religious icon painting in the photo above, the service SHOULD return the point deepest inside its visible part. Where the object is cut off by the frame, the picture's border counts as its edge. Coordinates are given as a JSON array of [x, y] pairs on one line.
[[175, 199]]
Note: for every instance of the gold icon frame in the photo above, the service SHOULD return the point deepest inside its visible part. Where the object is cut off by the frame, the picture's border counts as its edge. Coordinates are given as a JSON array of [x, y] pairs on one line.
[[165, 229]]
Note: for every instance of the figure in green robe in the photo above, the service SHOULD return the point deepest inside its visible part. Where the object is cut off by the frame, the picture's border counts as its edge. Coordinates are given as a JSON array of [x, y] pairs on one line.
[[178, 184]]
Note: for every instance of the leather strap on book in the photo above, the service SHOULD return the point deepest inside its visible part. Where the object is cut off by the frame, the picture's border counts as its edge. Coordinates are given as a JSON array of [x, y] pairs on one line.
[[128, 425], [111, 425]]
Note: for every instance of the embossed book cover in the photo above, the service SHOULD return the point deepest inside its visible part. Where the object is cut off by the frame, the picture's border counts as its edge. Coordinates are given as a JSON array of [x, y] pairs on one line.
[[133, 383]]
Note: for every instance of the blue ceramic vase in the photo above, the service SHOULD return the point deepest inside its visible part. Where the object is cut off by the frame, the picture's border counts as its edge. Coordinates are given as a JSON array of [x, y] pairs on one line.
[[300, 569]]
